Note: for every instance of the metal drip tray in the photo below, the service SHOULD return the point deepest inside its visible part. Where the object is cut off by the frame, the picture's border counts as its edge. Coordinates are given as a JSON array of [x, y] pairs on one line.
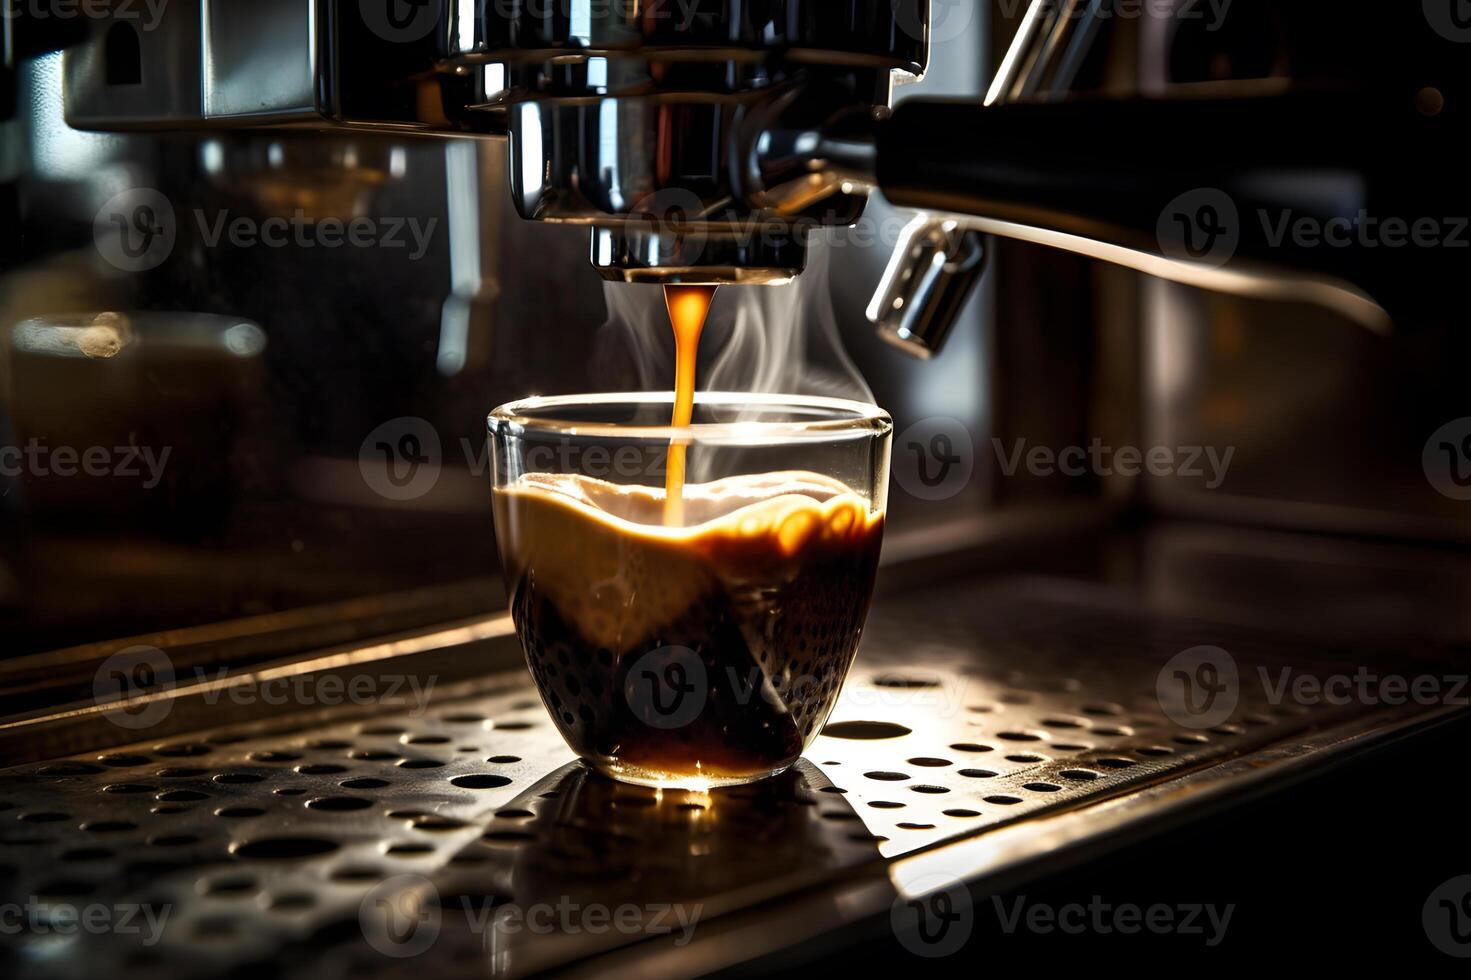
[[980, 731]]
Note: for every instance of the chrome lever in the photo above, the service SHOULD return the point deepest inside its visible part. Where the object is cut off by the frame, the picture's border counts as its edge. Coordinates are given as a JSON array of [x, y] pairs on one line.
[[932, 273]]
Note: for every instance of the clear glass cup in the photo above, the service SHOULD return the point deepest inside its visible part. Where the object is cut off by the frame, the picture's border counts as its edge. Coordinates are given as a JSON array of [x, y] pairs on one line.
[[691, 636]]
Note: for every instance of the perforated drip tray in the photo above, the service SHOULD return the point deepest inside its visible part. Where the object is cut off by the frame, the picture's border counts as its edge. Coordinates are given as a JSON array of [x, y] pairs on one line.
[[465, 840]]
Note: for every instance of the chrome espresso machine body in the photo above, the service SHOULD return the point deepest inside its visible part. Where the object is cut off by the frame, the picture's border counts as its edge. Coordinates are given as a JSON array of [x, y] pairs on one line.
[[265, 265], [624, 117]]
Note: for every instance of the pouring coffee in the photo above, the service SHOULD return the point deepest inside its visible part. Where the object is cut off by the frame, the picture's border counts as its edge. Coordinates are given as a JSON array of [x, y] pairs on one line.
[[692, 626]]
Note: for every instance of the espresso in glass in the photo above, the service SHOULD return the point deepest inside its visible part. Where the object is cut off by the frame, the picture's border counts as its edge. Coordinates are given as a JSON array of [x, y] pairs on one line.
[[707, 653], [690, 633]]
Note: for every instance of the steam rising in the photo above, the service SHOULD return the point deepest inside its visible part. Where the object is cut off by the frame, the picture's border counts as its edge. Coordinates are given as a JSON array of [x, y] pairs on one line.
[[765, 339]]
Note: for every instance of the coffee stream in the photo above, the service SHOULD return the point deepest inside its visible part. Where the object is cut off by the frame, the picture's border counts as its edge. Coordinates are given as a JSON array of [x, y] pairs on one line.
[[689, 306]]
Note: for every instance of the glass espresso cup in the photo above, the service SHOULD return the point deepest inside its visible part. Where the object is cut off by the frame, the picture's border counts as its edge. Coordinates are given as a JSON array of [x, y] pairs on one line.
[[690, 634]]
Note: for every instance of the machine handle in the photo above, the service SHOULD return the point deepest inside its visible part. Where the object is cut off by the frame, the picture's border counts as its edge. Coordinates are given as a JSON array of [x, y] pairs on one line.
[[935, 265]]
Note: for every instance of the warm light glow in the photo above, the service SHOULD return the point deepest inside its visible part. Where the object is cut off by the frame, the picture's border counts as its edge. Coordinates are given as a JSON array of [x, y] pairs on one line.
[[689, 306], [1019, 46], [692, 784], [1338, 296]]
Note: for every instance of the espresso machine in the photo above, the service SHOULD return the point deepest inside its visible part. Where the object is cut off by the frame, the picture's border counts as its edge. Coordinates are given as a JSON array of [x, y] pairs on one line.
[[1161, 296]]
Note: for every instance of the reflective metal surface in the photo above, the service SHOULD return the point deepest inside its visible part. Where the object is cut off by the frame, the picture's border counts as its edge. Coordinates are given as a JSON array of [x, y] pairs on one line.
[[326, 845], [935, 266], [622, 137], [124, 77], [215, 64], [260, 58], [637, 253]]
